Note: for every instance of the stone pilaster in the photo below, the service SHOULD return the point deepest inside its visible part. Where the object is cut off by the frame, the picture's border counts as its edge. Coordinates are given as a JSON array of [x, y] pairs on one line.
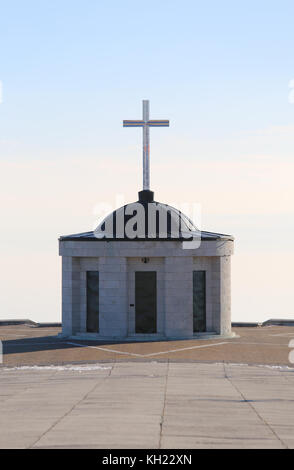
[[113, 311], [178, 296], [70, 295]]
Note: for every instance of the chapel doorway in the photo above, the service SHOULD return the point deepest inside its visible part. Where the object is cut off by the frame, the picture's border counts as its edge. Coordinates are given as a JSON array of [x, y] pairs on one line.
[[145, 302]]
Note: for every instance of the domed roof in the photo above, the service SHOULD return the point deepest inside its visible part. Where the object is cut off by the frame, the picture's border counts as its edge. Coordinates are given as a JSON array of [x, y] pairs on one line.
[[146, 219]]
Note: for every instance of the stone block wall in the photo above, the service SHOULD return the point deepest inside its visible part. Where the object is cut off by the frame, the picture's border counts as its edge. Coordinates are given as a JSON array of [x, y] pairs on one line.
[[117, 263]]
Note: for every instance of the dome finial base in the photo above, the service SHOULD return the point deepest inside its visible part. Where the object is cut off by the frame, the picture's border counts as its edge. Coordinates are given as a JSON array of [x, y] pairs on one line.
[[146, 196]]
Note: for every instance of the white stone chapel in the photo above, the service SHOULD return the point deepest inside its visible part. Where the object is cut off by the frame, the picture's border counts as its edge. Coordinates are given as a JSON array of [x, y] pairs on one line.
[[146, 272]]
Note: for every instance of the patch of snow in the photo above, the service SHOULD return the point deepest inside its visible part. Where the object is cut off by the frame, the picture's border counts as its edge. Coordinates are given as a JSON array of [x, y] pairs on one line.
[[260, 365], [279, 367], [76, 368]]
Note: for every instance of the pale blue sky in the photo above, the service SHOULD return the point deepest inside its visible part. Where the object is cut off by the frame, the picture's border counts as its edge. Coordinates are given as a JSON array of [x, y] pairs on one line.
[[72, 70]]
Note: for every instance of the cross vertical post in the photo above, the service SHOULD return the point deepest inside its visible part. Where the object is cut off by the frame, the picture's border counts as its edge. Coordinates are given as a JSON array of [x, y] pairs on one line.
[[146, 146], [145, 123]]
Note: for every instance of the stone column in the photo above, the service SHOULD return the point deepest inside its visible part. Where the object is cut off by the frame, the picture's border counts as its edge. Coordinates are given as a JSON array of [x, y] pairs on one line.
[[70, 295], [179, 296], [221, 294], [225, 295], [113, 297]]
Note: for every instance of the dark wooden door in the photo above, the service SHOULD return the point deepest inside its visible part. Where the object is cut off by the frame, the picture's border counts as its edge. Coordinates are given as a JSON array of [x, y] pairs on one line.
[[93, 301], [145, 302], [199, 301]]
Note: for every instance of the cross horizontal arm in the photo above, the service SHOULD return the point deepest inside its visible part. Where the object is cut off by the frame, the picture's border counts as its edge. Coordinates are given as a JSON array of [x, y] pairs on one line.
[[133, 123], [158, 123], [153, 123]]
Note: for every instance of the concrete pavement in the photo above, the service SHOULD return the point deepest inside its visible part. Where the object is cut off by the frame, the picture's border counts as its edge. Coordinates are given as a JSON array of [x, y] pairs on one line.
[[25, 345], [147, 405]]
